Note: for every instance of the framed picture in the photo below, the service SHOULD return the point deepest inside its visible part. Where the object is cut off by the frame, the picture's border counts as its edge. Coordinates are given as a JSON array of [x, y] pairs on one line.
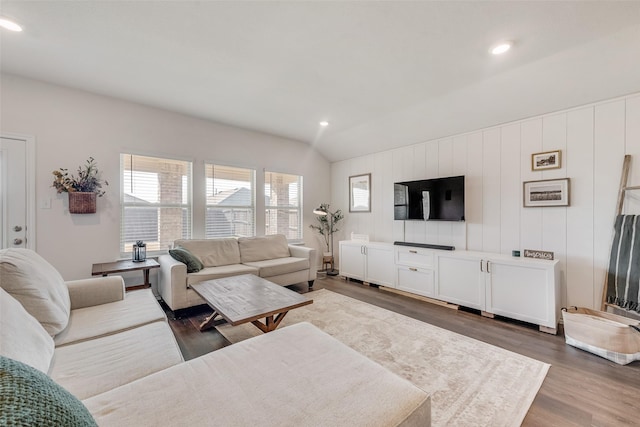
[[548, 192], [546, 160], [360, 193]]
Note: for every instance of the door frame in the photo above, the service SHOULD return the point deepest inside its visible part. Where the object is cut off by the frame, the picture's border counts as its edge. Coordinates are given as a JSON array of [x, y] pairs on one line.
[[30, 182]]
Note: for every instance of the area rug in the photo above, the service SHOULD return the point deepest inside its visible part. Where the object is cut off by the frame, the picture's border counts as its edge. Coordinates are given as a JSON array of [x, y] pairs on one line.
[[471, 383]]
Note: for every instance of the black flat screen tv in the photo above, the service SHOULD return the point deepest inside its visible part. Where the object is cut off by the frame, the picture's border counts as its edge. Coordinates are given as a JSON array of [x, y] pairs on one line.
[[439, 199]]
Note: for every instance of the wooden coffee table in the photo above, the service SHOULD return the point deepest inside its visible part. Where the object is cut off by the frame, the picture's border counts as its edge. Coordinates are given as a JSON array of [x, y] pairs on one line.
[[248, 298]]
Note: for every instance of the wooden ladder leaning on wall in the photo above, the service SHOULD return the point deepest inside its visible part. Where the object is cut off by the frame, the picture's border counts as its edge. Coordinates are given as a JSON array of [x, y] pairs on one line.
[[626, 165]]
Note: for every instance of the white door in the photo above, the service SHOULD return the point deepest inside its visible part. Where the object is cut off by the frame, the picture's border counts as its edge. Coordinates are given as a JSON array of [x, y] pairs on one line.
[[380, 265], [352, 260], [523, 292], [15, 218], [461, 281]]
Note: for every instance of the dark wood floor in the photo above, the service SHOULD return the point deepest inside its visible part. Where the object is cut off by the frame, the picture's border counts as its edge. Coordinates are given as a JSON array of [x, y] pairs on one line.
[[581, 389]]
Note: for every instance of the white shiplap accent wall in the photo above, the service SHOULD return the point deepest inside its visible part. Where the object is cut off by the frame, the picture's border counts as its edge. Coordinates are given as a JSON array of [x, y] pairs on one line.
[[496, 161], [632, 134], [491, 196], [609, 150], [580, 226], [510, 187], [473, 192]]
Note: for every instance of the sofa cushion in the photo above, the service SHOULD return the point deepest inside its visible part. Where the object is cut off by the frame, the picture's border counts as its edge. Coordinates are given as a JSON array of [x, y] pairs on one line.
[[31, 398], [278, 266], [22, 337], [95, 291], [264, 247], [37, 285], [136, 309], [213, 252], [183, 255], [91, 367], [211, 273], [295, 376]]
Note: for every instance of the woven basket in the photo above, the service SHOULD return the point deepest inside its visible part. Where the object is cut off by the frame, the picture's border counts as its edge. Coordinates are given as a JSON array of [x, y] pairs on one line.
[[608, 335], [82, 203]]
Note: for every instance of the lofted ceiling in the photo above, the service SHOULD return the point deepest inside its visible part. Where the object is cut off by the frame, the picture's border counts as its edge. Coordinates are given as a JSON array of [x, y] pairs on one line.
[[385, 74]]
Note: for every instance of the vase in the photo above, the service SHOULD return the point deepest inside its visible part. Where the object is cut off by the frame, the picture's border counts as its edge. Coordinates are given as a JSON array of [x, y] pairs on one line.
[[82, 203]]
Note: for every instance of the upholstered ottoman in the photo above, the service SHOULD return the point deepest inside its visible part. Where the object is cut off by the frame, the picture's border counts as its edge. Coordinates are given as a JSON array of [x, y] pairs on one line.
[[295, 376]]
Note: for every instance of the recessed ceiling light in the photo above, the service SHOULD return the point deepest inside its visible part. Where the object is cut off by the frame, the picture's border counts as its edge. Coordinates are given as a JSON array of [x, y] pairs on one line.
[[9, 24], [500, 48], [324, 123]]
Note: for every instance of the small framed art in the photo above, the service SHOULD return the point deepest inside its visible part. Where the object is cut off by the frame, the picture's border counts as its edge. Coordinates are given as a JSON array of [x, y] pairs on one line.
[[546, 160], [548, 192], [360, 193]]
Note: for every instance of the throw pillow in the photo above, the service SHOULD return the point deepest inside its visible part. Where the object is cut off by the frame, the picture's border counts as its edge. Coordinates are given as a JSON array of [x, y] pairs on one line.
[[181, 254], [260, 248], [213, 252], [37, 285], [22, 337], [28, 397]]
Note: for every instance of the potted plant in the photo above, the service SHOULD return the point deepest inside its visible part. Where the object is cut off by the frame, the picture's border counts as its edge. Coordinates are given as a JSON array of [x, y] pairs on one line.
[[83, 188], [327, 225]]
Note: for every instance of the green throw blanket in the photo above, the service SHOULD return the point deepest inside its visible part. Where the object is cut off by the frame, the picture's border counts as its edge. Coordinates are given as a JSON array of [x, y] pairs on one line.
[[623, 279]]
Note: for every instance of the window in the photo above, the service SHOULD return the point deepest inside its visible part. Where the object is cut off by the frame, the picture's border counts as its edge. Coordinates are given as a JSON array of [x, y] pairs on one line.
[[283, 204], [230, 201], [156, 202]]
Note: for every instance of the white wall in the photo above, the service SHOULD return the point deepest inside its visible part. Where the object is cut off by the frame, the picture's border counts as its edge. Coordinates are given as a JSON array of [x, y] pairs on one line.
[[71, 125], [496, 161]]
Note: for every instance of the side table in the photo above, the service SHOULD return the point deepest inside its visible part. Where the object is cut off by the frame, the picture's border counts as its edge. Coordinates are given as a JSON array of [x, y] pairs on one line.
[[106, 268]]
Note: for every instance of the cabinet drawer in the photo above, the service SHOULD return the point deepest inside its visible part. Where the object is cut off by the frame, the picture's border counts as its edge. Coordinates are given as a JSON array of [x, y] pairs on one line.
[[416, 280], [415, 257]]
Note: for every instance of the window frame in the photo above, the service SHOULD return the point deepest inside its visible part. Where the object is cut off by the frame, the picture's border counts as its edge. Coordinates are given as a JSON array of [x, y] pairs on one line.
[[253, 205], [300, 206], [124, 253]]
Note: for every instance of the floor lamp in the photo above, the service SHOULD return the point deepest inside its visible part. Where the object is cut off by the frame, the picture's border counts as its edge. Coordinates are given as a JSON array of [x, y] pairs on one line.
[[323, 211]]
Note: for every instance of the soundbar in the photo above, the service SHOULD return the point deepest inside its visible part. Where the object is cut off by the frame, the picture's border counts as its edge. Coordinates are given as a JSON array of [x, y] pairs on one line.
[[426, 245]]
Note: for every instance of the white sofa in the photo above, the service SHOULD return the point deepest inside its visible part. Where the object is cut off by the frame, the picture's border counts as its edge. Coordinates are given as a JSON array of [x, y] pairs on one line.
[[269, 257], [99, 337], [116, 353]]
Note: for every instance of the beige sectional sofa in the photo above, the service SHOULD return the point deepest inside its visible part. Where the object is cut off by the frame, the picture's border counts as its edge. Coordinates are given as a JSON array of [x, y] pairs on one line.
[[295, 376], [87, 323], [115, 352], [269, 257]]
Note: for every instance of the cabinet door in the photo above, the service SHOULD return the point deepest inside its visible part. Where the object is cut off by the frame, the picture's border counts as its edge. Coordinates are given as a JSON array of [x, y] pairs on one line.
[[380, 265], [523, 292], [352, 260], [461, 281]]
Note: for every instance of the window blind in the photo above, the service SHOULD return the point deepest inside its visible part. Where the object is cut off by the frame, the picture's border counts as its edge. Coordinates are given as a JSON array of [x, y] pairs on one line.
[[230, 201], [283, 204], [156, 202]]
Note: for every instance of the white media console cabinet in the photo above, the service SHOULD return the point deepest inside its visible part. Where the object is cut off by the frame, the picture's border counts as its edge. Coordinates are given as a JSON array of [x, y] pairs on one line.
[[519, 288]]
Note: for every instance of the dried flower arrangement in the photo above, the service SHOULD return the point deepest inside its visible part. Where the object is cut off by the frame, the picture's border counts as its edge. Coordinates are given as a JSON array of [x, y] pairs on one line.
[[87, 181]]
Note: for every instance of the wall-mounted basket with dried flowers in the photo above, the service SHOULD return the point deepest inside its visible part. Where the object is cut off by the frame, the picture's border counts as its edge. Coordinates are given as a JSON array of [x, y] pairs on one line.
[[83, 188]]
